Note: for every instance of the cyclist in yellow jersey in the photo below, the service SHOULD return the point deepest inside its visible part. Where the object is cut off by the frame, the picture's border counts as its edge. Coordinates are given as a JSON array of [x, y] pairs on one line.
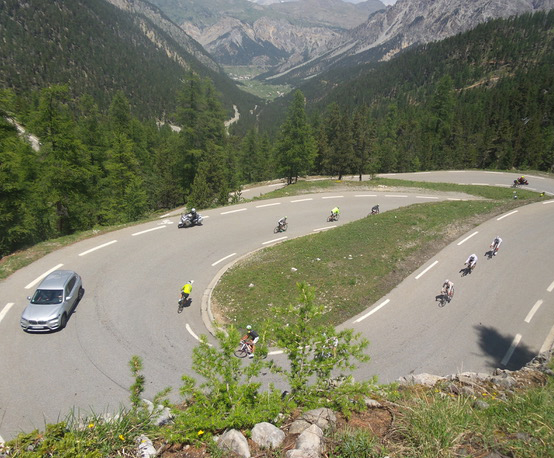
[[186, 290]]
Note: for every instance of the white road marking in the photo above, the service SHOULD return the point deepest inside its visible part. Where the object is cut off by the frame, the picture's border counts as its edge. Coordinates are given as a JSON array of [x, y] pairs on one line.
[[97, 248], [506, 215], [425, 271], [502, 184], [453, 198], [332, 197], [381, 305], [426, 197], [277, 184], [223, 259], [324, 228], [5, 311], [498, 173], [548, 202], [189, 329], [420, 173], [276, 352], [456, 171], [166, 221], [34, 282], [551, 287], [148, 230], [534, 176], [511, 350], [275, 240], [467, 238], [532, 312], [532, 189], [480, 184], [366, 195], [301, 200], [233, 211], [164, 216], [268, 205], [394, 195], [386, 174], [548, 342]]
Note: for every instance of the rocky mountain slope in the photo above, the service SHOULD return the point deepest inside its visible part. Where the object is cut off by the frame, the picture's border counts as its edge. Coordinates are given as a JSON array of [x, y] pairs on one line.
[[239, 32], [407, 23]]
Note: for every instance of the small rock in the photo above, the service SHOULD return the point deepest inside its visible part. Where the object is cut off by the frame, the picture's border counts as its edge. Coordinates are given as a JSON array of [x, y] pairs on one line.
[[293, 269], [298, 426], [372, 403], [251, 285], [235, 442], [145, 447], [267, 435], [480, 404], [322, 417]]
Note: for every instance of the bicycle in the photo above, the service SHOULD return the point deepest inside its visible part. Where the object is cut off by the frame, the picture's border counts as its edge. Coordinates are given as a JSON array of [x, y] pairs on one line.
[[445, 297], [183, 302], [333, 217], [281, 228], [244, 349]]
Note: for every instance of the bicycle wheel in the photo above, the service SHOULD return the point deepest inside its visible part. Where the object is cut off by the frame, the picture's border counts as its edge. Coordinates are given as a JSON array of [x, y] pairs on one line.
[[241, 352], [285, 226], [181, 306]]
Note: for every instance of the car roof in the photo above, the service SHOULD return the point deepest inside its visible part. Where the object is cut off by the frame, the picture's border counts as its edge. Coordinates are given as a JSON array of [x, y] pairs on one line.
[[56, 279]]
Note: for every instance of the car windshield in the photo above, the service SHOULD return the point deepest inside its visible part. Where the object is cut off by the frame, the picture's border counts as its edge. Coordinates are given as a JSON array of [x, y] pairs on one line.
[[47, 296]]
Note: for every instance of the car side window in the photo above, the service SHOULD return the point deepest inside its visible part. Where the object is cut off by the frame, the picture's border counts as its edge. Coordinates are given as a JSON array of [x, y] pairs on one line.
[[69, 286]]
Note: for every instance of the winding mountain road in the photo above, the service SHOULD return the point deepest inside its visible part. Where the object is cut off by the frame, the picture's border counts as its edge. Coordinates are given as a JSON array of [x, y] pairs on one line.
[[502, 314]]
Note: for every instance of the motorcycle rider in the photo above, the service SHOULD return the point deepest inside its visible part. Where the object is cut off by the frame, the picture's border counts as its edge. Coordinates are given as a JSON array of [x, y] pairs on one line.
[[251, 338], [193, 216], [471, 262], [495, 245]]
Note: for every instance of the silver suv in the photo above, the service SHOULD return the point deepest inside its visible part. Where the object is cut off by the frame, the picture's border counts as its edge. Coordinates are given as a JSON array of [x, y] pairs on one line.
[[53, 302]]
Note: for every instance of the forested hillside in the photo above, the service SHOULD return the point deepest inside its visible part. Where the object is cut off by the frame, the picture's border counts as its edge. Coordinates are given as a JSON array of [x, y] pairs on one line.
[[484, 98], [98, 49]]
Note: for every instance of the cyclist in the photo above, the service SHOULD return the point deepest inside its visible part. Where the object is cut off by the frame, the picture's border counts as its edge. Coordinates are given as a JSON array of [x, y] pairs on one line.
[[251, 337], [335, 213], [448, 289], [375, 209], [186, 290], [281, 223], [471, 262], [495, 245]]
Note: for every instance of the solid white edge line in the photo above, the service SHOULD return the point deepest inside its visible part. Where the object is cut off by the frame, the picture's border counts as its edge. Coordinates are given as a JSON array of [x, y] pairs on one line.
[[548, 342], [532, 312], [189, 329], [324, 228], [275, 240], [498, 173], [453, 198], [511, 350], [97, 248], [507, 214], [268, 205], [480, 184], [425, 271], [332, 197], [420, 173], [223, 259], [551, 287], [301, 200], [233, 211], [5, 311], [276, 184], [382, 304], [467, 238], [36, 280], [148, 230]]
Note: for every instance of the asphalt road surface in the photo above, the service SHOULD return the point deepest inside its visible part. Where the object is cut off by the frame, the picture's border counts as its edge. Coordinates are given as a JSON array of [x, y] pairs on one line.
[[502, 314]]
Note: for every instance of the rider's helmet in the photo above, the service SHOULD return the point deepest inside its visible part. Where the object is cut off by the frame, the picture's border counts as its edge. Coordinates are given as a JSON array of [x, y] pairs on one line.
[[249, 327], [447, 281], [193, 210]]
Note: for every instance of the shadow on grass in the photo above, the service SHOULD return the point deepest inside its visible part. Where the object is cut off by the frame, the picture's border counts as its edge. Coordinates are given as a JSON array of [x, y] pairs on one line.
[[496, 345]]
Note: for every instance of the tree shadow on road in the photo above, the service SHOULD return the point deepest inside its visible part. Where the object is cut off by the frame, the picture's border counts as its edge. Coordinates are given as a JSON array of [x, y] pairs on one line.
[[496, 345]]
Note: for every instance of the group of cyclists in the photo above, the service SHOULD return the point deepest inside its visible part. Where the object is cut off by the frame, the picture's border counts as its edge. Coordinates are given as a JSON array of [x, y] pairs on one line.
[[447, 290]]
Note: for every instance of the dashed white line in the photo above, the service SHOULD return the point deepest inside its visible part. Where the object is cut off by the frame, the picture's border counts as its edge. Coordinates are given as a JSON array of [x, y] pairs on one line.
[[453, 198], [366, 195], [425, 271], [268, 205], [301, 200], [420, 173], [275, 240], [36, 280], [332, 197], [467, 238], [532, 312], [5, 310], [480, 184], [426, 197], [276, 184], [551, 287], [233, 211], [506, 215], [497, 173], [97, 248], [395, 195], [276, 352], [324, 228], [223, 259], [548, 202], [148, 230], [456, 171], [381, 305], [511, 350], [189, 329]]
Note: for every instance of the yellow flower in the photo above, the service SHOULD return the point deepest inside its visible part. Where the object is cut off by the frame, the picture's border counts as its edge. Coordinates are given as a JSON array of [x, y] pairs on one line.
[[91, 425], [121, 437], [200, 432]]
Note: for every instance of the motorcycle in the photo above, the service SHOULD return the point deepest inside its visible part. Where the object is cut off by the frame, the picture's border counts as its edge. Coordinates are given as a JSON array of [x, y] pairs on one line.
[[519, 182], [187, 221]]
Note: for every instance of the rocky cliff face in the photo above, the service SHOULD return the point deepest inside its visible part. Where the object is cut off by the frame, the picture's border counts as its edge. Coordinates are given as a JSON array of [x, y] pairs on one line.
[[411, 22]]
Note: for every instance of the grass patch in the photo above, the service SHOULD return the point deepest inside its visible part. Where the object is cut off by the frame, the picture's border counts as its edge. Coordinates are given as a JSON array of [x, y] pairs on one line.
[[354, 265]]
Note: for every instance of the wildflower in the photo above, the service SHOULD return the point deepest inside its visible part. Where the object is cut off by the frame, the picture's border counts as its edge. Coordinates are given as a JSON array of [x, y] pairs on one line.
[[121, 437], [91, 425], [200, 432]]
